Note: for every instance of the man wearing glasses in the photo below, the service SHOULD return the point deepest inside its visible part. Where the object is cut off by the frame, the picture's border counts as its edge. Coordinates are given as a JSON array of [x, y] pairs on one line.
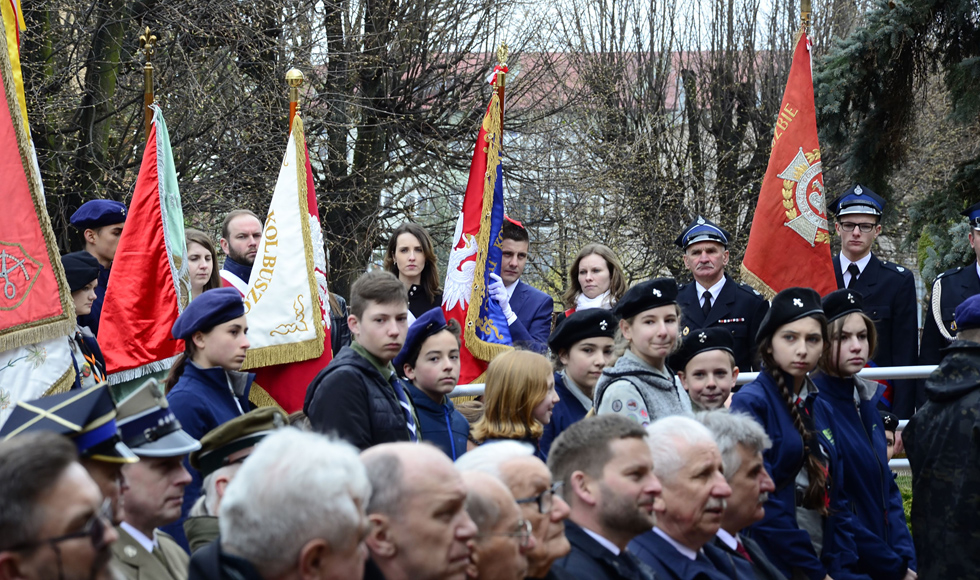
[[888, 289], [503, 537], [54, 523]]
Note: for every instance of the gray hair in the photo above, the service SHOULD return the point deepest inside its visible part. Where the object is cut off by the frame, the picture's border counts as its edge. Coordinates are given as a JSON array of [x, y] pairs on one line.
[[664, 437], [489, 457], [206, 504], [385, 472], [482, 510], [730, 431], [266, 515]]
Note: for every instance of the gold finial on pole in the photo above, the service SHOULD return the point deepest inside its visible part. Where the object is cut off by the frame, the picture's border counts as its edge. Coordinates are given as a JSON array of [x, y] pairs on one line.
[[294, 78], [806, 13], [502, 54], [147, 45]]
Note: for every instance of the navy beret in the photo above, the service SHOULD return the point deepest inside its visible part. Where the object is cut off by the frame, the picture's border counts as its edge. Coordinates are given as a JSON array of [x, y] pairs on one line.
[[789, 305], [645, 296], [80, 269], [702, 230], [967, 314], [97, 213], [973, 212], [208, 310], [430, 323], [889, 419], [858, 199], [842, 302], [701, 340], [580, 325]]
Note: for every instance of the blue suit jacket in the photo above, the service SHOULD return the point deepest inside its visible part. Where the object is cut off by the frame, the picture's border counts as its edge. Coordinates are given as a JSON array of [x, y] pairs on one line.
[[736, 567], [568, 410], [589, 560], [533, 309], [668, 563]]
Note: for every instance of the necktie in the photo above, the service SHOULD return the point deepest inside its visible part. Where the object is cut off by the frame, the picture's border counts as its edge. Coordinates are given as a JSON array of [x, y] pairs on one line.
[[740, 548], [406, 407], [854, 271], [706, 307]]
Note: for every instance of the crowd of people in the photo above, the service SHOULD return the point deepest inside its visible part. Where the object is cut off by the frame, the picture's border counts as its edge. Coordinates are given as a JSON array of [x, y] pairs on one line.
[[610, 443]]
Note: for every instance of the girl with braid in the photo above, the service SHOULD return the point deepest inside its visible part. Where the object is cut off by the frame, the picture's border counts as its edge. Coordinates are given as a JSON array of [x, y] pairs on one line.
[[800, 532]]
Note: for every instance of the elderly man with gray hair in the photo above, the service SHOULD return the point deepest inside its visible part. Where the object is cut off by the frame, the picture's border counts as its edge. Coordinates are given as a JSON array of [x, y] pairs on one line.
[[687, 463], [295, 509], [741, 442]]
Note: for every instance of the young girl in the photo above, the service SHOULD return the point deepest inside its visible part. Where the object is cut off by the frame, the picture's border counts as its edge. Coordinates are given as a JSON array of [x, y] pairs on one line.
[[582, 345], [82, 271], [429, 360], [518, 400], [595, 280], [797, 532], [847, 407], [705, 364], [411, 257], [640, 386], [201, 260]]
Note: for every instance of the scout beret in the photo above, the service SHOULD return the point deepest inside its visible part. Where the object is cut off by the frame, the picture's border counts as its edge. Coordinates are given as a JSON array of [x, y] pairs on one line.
[[889, 419], [789, 305], [701, 340], [646, 295], [97, 213], [973, 213], [80, 269], [208, 310], [580, 325], [430, 323], [858, 199], [841, 302], [702, 230], [223, 442], [149, 427], [967, 314]]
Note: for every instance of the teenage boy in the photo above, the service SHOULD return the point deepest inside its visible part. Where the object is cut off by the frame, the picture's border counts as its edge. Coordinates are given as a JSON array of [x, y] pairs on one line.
[[358, 395], [430, 362], [705, 364], [100, 221]]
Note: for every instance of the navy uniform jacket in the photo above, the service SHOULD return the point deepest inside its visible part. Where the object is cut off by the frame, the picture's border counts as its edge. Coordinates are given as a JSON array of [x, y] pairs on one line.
[[736, 567], [439, 424], [669, 564], [738, 308], [590, 560], [890, 301], [533, 309], [567, 410], [91, 320], [952, 287]]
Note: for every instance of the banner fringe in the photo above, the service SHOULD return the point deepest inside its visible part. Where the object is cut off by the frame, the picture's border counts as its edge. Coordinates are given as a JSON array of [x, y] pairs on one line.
[[280, 354], [261, 398], [63, 384], [754, 281], [142, 371], [38, 331]]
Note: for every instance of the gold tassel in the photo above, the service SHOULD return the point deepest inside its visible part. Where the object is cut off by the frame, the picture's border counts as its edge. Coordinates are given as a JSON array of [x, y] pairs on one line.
[[261, 398], [754, 281]]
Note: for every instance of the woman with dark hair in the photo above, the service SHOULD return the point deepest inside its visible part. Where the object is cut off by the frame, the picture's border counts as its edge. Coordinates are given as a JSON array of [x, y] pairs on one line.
[[202, 261], [411, 257], [595, 280], [82, 273]]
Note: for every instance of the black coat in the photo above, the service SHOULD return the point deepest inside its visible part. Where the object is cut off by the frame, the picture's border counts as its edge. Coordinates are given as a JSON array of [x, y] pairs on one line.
[[736, 567], [589, 560], [890, 301], [339, 331], [739, 308], [210, 563], [351, 399]]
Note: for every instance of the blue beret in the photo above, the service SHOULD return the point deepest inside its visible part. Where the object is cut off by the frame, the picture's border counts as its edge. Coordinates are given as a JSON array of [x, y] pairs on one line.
[[430, 323], [789, 305], [840, 303], [973, 212], [581, 325], [702, 230], [646, 296], [858, 199], [701, 340], [97, 213], [80, 269], [967, 314], [208, 310]]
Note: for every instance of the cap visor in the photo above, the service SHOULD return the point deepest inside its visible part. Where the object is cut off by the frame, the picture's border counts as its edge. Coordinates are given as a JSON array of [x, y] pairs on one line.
[[170, 445], [120, 453]]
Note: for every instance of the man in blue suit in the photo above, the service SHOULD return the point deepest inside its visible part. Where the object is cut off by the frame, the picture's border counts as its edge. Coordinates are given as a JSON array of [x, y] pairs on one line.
[[888, 289], [688, 464], [528, 310]]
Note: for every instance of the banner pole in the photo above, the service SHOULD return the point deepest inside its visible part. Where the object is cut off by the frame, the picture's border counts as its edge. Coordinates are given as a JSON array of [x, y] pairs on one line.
[[147, 42], [294, 78]]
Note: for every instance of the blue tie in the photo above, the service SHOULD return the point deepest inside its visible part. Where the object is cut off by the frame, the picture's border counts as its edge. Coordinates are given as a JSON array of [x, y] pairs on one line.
[[406, 407]]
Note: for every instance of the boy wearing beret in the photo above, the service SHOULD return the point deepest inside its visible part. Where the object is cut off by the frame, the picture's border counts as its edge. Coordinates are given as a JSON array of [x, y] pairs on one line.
[[82, 272], [100, 221], [706, 367]]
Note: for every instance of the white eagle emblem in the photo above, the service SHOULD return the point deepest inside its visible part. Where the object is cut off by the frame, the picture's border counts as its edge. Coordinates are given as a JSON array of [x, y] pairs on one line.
[[459, 276]]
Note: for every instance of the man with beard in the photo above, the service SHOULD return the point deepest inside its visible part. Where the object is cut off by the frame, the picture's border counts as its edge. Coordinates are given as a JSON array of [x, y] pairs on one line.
[[503, 537], [241, 233], [155, 492], [688, 464], [54, 523], [538, 496], [606, 470]]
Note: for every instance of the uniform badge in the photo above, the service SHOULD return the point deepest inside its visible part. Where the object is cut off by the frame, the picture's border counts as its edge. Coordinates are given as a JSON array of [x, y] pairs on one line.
[[702, 337], [632, 405], [899, 268], [657, 292], [602, 325], [685, 331], [850, 298], [129, 552], [803, 197], [858, 190], [798, 303], [700, 221], [617, 406]]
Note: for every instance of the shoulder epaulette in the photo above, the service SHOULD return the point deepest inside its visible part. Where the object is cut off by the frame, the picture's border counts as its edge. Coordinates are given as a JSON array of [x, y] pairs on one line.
[[949, 272]]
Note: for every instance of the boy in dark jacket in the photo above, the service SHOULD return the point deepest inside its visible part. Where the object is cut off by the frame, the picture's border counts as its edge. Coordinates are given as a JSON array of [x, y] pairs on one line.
[[358, 396], [430, 360]]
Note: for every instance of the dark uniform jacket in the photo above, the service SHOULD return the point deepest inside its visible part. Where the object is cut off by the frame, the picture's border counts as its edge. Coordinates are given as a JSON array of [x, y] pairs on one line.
[[739, 308], [135, 563], [567, 410], [890, 301], [736, 567], [949, 290], [91, 320], [533, 309], [418, 300], [339, 331], [669, 564], [210, 563], [942, 441], [440, 423], [590, 560], [351, 398]]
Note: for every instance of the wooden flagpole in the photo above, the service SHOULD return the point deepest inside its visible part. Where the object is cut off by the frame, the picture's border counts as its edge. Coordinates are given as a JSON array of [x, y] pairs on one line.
[[147, 42]]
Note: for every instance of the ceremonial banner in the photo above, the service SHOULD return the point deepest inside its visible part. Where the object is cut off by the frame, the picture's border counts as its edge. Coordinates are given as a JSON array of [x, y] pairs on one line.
[[36, 310], [13, 24], [789, 243], [476, 254], [150, 280], [286, 303]]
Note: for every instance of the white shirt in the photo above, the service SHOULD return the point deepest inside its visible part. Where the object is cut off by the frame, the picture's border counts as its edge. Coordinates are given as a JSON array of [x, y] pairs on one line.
[[978, 268], [602, 541], [147, 543], [684, 550], [861, 264], [510, 289], [715, 291], [729, 540]]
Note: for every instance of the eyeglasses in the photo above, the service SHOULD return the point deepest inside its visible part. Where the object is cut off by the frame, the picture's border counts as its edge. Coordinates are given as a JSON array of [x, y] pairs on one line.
[[545, 499], [522, 531], [849, 227], [94, 530]]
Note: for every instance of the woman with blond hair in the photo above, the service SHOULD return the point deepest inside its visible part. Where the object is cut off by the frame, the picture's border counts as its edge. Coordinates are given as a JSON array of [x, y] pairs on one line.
[[595, 280], [518, 400]]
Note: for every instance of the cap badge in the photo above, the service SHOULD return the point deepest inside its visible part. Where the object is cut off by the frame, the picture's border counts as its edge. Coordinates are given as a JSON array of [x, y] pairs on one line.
[[798, 303], [858, 190], [850, 297], [603, 324], [657, 292], [700, 221], [702, 337], [686, 330]]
